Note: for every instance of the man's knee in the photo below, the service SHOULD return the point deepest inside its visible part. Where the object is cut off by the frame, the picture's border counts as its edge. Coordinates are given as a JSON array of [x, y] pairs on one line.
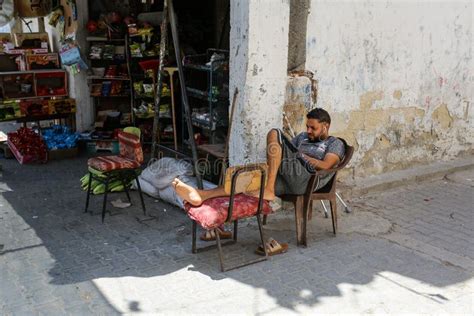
[[272, 134]]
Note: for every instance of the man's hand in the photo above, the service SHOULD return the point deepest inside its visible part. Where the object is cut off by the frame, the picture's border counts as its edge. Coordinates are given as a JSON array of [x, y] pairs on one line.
[[330, 160]]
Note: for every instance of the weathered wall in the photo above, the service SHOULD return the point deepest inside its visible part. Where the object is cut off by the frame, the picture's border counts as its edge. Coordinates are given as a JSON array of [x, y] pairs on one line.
[[397, 77], [258, 67]]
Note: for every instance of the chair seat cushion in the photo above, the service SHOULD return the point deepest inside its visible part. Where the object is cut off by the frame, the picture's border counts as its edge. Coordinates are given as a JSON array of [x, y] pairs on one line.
[[109, 163], [213, 212]]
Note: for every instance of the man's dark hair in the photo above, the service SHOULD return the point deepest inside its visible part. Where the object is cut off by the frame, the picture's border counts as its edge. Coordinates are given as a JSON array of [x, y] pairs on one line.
[[319, 114]]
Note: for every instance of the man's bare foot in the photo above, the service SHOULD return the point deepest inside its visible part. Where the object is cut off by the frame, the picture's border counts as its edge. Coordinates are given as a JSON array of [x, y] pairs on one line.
[[186, 192], [267, 195]]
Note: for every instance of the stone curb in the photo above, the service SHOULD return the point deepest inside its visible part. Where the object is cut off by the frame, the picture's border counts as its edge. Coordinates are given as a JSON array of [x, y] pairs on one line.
[[390, 180]]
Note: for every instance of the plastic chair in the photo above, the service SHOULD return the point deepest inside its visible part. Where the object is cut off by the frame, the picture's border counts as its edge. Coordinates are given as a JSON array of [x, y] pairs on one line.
[[303, 203]]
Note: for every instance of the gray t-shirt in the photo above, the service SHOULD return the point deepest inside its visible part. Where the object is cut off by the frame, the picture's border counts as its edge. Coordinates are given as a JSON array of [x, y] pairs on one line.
[[318, 149]]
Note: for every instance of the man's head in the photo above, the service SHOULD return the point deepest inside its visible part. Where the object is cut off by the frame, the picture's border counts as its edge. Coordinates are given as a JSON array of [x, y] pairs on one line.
[[317, 124]]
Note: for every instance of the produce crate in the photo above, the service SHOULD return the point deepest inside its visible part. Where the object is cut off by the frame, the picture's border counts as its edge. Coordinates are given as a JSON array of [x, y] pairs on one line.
[[21, 158], [66, 153]]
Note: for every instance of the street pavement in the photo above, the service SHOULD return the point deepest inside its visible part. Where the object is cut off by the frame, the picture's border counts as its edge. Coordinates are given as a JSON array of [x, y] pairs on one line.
[[405, 250]]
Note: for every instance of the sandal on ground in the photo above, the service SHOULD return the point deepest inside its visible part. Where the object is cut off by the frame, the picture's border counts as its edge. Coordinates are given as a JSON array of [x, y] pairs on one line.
[[209, 235], [273, 248]]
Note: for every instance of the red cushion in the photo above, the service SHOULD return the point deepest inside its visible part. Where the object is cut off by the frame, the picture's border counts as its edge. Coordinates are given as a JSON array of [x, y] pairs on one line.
[[109, 163], [213, 212], [130, 146]]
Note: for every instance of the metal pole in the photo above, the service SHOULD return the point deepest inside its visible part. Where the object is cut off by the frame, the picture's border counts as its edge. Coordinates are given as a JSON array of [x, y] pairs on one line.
[[184, 96], [156, 119]]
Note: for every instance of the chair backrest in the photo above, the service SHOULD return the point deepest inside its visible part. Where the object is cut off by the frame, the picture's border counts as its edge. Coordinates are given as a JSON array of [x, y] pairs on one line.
[[348, 152], [331, 185], [130, 146], [133, 130]]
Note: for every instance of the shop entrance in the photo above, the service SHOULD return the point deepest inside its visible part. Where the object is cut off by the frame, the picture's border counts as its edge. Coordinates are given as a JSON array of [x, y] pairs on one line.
[[123, 51]]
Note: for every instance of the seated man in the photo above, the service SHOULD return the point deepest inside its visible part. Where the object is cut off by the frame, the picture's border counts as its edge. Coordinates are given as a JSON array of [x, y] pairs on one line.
[[290, 162]]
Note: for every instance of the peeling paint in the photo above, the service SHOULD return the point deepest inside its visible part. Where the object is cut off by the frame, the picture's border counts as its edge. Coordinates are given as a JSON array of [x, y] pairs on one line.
[[442, 117], [397, 94], [401, 97]]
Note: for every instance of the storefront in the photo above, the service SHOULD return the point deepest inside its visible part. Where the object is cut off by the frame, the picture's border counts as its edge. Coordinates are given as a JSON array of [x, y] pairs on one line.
[[93, 68]]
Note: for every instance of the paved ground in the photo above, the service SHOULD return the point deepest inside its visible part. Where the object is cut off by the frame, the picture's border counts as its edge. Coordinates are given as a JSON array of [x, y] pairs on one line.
[[406, 250]]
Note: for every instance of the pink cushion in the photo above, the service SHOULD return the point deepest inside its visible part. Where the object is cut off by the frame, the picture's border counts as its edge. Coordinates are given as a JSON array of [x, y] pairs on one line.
[[213, 212]]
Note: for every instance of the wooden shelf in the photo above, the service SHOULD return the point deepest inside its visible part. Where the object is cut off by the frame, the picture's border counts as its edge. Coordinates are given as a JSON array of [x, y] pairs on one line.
[[103, 39], [107, 78], [39, 71], [25, 119]]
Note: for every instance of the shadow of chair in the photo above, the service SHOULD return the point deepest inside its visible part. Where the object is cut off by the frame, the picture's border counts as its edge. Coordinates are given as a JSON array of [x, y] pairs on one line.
[[304, 203]]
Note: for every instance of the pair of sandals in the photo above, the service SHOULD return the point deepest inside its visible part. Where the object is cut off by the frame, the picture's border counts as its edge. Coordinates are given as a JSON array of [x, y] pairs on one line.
[[273, 246]]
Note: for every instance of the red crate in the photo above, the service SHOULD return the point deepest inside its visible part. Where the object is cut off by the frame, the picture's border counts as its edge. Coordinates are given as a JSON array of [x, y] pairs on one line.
[[21, 158]]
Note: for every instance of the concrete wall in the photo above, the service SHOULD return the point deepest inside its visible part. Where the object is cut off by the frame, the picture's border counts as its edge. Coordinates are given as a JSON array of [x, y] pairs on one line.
[[258, 67], [85, 109], [397, 77]]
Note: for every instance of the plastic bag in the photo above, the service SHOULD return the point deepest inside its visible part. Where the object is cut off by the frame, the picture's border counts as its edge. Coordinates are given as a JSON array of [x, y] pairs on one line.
[[146, 187], [168, 194], [161, 172], [6, 12]]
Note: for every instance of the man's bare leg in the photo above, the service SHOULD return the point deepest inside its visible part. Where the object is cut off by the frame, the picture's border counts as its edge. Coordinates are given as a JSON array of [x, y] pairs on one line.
[[274, 152], [195, 196]]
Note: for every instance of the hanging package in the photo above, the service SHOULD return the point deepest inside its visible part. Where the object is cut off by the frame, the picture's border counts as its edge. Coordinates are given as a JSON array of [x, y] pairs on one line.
[[6, 12]]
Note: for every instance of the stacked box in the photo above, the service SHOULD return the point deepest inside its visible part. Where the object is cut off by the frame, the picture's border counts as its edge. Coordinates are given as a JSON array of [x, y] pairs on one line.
[[10, 110], [34, 107], [62, 106], [42, 61]]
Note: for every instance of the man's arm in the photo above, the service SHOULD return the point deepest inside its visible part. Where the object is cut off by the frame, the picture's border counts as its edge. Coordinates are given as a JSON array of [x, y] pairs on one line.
[[330, 160]]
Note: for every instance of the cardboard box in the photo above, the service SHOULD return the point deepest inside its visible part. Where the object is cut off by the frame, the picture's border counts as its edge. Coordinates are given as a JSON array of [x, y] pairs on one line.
[[62, 106], [10, 110], [32, 40], [34, 107], [66, 153], [24, 51], [42, 61]]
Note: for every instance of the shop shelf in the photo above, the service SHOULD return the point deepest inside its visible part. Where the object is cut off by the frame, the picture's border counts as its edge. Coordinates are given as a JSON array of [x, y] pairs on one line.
[[107, 78]]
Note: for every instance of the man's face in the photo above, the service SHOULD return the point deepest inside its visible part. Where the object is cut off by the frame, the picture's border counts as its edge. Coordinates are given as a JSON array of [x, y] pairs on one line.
[[315, 129]]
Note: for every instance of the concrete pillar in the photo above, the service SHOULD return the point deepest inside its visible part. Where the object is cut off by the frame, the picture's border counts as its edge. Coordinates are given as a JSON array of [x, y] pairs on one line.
[[79, 89], [258, 68]]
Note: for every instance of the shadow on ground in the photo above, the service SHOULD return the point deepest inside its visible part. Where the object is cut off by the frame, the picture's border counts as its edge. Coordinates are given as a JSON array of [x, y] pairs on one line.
[[50, 204]]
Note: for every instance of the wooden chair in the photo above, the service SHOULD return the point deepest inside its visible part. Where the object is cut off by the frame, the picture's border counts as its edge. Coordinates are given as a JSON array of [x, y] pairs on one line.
[[304, 203]]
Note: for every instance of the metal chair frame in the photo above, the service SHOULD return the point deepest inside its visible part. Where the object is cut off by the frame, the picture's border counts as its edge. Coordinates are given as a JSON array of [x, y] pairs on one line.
[[121, 174], [219, 244]]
